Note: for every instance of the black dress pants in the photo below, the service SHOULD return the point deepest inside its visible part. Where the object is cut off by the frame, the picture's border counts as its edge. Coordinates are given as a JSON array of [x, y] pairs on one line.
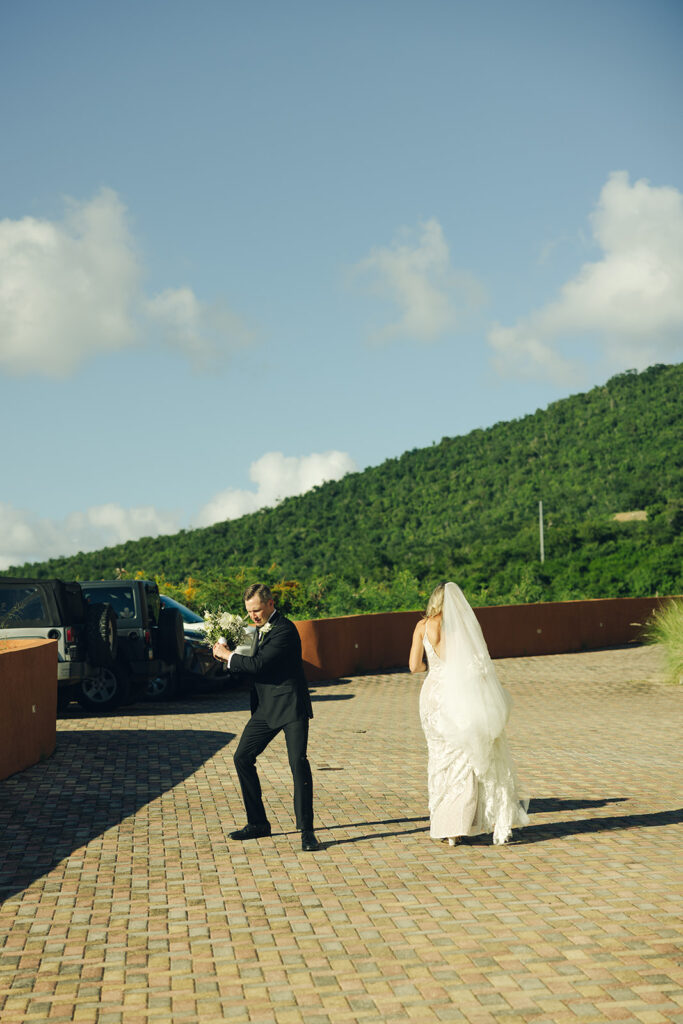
[[254, 740]]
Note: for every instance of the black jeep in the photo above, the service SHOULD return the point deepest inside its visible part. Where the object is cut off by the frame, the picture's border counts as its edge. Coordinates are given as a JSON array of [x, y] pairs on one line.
[[151, 641]]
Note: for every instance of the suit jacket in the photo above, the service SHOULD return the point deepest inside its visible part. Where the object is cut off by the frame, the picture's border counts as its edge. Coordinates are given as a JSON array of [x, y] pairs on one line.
[[279, 692]]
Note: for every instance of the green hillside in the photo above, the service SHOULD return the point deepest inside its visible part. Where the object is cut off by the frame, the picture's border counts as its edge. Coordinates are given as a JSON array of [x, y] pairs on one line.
[[466, 509]]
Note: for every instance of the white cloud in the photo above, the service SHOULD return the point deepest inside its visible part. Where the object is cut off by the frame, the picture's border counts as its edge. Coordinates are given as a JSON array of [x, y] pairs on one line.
[[416, 276], [196, 329], [629, 303], [276, 476], [67, 289], [72, 289], [28, 538]]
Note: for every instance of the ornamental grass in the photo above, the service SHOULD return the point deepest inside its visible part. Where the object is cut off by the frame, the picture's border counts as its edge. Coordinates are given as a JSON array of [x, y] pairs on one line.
[[665, 628]]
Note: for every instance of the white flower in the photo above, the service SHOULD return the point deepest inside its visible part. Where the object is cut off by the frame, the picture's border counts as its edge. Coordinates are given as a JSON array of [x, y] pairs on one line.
[[220, 624], [265, 629]]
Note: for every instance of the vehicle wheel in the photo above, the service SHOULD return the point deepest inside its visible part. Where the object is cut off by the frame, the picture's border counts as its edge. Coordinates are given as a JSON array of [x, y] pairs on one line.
[[103, 691], [101, 630], [162, 687], [171, 636]]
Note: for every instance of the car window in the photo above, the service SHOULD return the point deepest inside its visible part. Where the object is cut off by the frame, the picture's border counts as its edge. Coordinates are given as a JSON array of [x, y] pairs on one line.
[[122, 600], [186, 613], [21, 606]]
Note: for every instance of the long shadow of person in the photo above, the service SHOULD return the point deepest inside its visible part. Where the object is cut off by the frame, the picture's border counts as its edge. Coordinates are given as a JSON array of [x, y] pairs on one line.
[[533, 833], [561, 829], [548, 805], [386, 834], [94, 780]]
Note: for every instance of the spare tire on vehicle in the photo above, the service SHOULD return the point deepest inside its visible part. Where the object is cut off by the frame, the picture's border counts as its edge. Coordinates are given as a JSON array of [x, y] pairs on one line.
[[102, 634], [171, 636]]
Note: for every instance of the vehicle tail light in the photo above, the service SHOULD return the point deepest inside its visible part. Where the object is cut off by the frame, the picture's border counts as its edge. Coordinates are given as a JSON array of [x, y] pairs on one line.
[[70, 637], [148, 637]]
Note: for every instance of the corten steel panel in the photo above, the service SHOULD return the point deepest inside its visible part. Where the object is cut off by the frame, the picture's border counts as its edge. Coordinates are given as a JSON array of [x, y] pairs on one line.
[[561, 627], [28, 703], [361, 644], [355, 644]]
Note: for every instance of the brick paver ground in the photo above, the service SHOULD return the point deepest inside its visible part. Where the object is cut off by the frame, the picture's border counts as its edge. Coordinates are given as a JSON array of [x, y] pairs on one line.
[[125, 902]]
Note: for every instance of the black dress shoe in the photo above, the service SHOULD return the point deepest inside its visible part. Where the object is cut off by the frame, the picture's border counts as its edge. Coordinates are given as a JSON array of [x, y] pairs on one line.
[[308, 840], [251, 832]]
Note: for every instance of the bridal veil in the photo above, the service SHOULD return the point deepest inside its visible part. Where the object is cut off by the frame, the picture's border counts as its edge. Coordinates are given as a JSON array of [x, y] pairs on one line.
[[475, 705]]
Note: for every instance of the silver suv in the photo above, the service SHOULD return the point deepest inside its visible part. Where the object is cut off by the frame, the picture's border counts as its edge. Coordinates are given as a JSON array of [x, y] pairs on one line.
[[86, 636]]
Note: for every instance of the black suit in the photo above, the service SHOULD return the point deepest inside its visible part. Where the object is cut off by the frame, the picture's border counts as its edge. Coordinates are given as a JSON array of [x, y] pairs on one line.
[[279, 701]]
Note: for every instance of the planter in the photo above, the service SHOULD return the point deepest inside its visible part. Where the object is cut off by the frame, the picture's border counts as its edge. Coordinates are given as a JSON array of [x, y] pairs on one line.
[[28, 703]]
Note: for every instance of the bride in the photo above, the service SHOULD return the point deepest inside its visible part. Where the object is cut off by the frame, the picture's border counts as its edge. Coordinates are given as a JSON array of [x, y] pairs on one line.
[[473, 787]]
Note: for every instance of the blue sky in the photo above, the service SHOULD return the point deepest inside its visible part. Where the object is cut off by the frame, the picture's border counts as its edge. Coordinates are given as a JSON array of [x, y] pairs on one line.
[[245, 248]]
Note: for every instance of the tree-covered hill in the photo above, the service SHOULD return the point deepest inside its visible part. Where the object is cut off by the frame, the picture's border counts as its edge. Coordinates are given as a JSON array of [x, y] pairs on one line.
[[467, 509]]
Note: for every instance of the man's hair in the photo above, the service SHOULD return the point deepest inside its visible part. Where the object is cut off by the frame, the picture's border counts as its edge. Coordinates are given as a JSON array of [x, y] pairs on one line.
[[258, 590]]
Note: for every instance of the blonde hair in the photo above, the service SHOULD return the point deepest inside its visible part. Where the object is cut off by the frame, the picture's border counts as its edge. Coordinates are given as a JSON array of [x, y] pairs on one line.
[[435, 602]]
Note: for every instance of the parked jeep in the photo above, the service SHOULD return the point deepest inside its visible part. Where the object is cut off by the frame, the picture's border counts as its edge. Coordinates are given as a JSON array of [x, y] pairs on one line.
[[151, 642], [85, 632]]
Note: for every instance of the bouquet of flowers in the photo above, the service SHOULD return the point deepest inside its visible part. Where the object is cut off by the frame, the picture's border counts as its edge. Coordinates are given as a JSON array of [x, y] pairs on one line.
[[223, 627]]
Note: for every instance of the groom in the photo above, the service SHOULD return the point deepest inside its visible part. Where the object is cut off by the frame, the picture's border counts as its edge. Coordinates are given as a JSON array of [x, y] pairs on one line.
[[280, 701]]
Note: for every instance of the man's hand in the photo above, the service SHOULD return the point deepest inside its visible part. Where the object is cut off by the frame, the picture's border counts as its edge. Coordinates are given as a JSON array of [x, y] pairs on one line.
[[221, 652]]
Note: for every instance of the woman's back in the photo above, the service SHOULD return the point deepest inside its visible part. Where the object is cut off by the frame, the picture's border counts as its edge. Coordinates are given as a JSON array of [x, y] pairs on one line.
[[432, 634]]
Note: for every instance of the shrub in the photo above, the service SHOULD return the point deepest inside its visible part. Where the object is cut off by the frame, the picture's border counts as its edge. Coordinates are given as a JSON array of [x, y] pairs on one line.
[[665, 627]]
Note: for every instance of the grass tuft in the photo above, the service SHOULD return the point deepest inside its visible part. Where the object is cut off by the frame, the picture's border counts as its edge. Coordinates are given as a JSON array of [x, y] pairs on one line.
[[665, 628]]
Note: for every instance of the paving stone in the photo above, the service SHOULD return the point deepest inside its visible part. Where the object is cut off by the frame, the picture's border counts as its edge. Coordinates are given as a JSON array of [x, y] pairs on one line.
[[126, 902]]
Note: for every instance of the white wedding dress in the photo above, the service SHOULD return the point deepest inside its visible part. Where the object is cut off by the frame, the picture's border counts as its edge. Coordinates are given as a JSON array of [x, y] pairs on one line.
[[462, 801]]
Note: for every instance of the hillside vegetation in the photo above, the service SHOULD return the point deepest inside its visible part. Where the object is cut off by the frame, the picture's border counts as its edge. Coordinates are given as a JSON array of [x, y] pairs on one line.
[[463, 509]]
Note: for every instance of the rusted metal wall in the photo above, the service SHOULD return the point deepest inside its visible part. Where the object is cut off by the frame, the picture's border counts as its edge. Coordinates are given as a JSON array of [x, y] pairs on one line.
[[362, 644]]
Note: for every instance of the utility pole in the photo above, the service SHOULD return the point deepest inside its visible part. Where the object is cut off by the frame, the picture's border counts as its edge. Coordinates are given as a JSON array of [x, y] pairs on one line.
[[540, 529]]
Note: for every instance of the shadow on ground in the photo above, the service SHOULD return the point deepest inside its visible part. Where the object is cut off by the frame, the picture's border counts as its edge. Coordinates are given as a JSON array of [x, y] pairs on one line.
[[92, 782], [233, 699], [562, 829], [532, 833], [550, 805], [209, 701]]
